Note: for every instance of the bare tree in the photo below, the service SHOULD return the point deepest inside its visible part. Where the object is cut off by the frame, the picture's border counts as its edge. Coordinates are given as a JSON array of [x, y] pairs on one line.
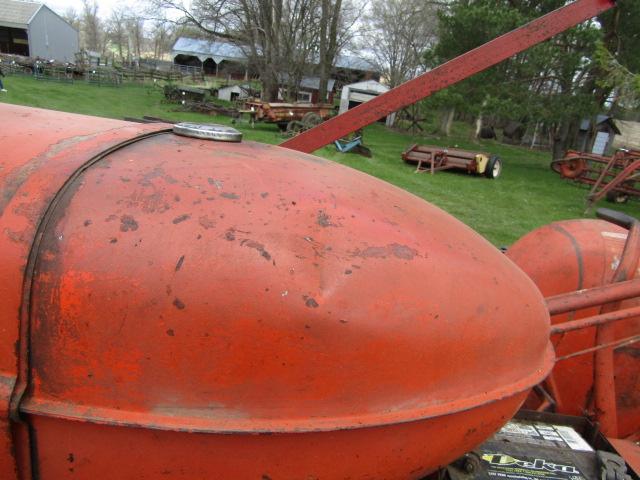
[[397, 33], [72, 18], [161, 35], [135, 27], [282, 39], [91, 27], [336, 25], [117, 31]]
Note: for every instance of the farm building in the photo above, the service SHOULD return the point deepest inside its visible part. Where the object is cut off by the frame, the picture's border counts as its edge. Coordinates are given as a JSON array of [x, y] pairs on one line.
[[34, 30], [350, 69], [596, 139], [356, 93], [237, 92], [214, 57], [225, 59], [308, 90]]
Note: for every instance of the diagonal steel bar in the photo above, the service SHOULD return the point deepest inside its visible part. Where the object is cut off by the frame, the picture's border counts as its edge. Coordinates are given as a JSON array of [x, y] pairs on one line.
[[449, 73]]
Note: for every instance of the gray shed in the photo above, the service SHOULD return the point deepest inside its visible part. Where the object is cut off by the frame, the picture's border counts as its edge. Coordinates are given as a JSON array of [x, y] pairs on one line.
[[234, 92], [361, 92], [34, 30]]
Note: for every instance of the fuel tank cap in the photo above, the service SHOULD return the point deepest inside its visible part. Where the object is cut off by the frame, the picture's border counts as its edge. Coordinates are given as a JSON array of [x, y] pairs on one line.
[[208, 131]]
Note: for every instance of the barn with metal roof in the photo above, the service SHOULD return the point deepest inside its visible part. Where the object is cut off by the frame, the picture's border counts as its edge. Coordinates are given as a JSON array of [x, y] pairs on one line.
[[34, 30], [222, 58]]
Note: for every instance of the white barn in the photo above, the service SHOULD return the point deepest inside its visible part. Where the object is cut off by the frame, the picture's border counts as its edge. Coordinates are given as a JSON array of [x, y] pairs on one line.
[[34, 30], [360, 92]]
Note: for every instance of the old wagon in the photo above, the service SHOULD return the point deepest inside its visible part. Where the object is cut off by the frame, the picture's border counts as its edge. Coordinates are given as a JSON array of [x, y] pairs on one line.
[[292, 117]]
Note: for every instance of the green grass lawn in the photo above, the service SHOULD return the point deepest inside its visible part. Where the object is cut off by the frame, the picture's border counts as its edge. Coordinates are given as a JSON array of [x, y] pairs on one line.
[[526, 196]]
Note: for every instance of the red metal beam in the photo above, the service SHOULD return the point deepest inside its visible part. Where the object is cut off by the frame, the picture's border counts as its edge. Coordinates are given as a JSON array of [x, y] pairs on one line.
[[449, 73]]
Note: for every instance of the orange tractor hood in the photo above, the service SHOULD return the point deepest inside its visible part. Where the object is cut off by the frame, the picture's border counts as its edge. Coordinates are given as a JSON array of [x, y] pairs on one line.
[[240, 310]]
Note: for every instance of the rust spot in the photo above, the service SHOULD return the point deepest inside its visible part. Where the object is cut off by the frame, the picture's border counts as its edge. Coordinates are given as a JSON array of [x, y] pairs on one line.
[[231, 196], [206, 223], [125, 179], [170, 332], [310, 301], [87, 223], [128, 223], [180, 262], [392, 250], [348, 272], [179, 304], [324, 220], [181, 218], [110, 218], [217, 183], [70, 458], [256, 246], [264, 194], [230, 235], [157, 172], [113, 240]]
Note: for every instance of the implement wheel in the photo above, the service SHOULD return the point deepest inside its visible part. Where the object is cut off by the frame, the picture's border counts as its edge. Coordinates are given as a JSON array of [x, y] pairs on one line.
[[617, 197], [570, 167], [294, 127], [311, 119], [494, 167]]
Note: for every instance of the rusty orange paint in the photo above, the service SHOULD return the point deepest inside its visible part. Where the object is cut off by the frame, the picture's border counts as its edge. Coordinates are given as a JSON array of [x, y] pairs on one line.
[[574, 255], [199, 309]]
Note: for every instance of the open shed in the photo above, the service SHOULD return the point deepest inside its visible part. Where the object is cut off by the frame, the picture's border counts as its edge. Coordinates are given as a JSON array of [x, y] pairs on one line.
[[34, 30], [356, 93], [215, 57]]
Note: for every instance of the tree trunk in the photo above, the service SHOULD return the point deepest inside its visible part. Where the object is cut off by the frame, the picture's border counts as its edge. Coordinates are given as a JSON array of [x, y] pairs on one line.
[[329, 22], [564, 137], [446, 120]]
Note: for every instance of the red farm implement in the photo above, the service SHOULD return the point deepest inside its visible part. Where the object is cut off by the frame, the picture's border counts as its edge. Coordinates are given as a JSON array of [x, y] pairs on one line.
[[616, 178]]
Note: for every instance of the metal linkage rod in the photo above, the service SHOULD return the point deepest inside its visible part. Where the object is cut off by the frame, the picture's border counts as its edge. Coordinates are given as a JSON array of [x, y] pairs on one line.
[[595, 320], [591, 297]]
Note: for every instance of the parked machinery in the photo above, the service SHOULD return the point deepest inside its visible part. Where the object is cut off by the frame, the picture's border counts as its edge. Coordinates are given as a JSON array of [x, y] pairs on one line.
[[429, 158], [615, 178]]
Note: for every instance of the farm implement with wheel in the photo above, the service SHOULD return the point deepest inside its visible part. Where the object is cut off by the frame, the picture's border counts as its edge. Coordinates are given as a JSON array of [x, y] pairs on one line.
[[291, 118], [432, 159], [616, 178]]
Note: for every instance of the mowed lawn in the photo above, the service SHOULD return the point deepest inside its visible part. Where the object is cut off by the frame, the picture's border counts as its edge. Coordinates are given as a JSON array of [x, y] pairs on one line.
[[526, 196]]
